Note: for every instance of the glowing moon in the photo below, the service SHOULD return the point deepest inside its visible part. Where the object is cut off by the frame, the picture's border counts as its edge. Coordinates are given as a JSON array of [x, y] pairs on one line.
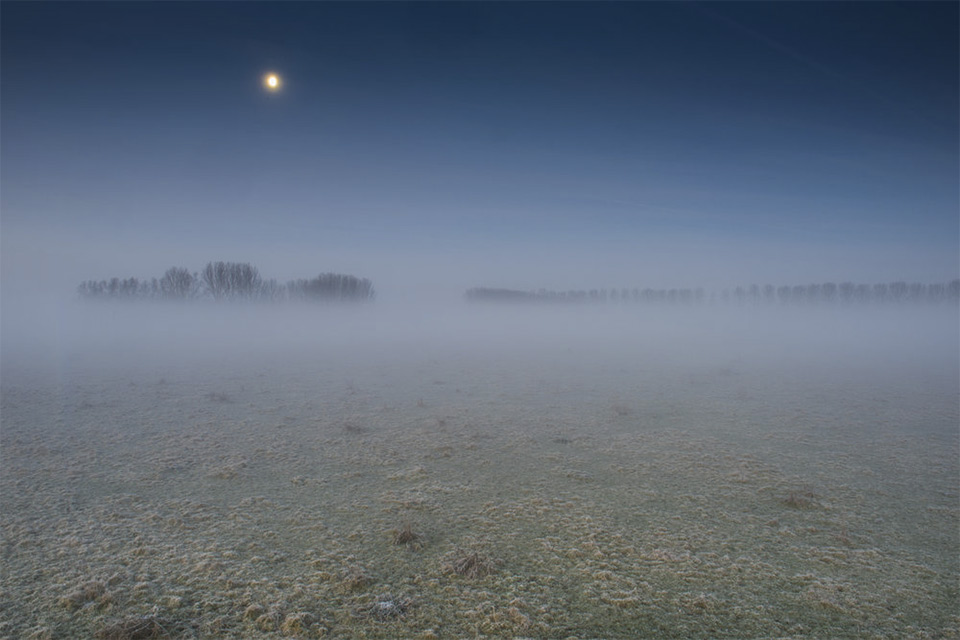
[[272, 82]]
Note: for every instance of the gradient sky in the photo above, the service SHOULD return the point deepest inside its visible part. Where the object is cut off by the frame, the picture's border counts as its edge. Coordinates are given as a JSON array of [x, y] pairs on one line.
[[505, 144]]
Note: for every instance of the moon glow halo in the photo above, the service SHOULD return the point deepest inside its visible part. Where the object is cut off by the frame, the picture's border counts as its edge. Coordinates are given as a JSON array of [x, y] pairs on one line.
[[272, 82]]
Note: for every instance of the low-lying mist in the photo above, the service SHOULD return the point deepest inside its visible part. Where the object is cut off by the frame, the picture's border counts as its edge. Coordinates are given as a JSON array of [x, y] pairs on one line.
[[882, 340]]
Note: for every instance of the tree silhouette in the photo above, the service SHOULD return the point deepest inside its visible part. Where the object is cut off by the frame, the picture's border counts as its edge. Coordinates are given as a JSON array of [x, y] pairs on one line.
[[231, 280], [331, 287], [177, 284]]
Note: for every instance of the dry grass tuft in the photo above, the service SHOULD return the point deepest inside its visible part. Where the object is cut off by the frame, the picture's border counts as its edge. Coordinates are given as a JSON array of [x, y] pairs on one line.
[[470, 564], [355, 579], [802, 499], [138, 628], [90, 592], [297, 624], [353, 428], [269, 621], [386, 607], [253, 611], [406, 536]]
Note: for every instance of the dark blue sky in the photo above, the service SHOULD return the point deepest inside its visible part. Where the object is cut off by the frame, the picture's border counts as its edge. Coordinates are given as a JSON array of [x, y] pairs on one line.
[[522, 144]]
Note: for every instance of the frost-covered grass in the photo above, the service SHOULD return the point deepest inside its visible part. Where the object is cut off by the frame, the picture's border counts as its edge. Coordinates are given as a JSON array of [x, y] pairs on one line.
[[553, 494]]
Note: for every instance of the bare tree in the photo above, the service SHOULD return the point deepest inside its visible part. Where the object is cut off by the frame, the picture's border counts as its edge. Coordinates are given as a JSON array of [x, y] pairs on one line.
[[245, 280], [226, 280], [829, 291], [332, 287], [783, 294], [271, 291], [847, 291], [177, 283], [769, 293], [215, 280], [897, 291]]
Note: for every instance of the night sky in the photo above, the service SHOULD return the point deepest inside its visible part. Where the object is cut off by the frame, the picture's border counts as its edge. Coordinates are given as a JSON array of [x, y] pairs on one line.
[[448, 145]]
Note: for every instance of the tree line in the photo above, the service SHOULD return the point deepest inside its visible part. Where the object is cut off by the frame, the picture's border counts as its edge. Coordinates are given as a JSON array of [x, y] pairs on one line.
[[822, 293], [228, 281]]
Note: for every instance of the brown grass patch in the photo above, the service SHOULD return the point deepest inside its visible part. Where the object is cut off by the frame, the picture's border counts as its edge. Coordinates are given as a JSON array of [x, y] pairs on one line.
[[90, 592], [470, 564], [355, 579], [406, 536], [138, 628]]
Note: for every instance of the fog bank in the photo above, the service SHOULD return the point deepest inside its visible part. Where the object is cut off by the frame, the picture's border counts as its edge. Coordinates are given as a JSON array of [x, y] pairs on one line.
[[49, 334]]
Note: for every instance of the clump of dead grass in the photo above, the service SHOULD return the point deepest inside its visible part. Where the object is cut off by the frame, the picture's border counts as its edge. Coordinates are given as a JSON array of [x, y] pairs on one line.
[[407, 537], [386, 607], [469, 563], [138, 628], [270, 620], [253, 611], [92, 592], [296, 624], [353, 428], [355, 579], [800, 499]]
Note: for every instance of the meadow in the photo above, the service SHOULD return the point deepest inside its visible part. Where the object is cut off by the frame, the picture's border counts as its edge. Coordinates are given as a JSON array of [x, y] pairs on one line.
[[495, 473]]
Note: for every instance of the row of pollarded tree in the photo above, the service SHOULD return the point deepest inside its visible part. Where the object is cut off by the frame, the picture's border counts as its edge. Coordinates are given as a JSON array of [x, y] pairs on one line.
[[825, 293], [686, 296], [228, 281], [845, 292]]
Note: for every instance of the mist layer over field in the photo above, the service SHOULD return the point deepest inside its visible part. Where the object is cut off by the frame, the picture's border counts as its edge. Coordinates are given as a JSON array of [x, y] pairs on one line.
[[450, 470], [121, 334]]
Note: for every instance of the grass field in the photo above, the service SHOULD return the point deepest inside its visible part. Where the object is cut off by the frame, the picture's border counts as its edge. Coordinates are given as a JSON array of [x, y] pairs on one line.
[[584, 491]]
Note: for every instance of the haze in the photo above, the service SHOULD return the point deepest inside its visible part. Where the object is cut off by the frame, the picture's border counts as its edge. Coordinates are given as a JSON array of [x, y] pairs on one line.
[[662, 337]]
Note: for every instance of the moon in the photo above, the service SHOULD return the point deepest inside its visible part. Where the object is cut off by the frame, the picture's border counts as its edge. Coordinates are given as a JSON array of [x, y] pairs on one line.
[[272, 82]]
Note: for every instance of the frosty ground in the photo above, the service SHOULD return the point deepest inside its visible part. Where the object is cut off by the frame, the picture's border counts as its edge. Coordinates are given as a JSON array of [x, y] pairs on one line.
[[590, 476]]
